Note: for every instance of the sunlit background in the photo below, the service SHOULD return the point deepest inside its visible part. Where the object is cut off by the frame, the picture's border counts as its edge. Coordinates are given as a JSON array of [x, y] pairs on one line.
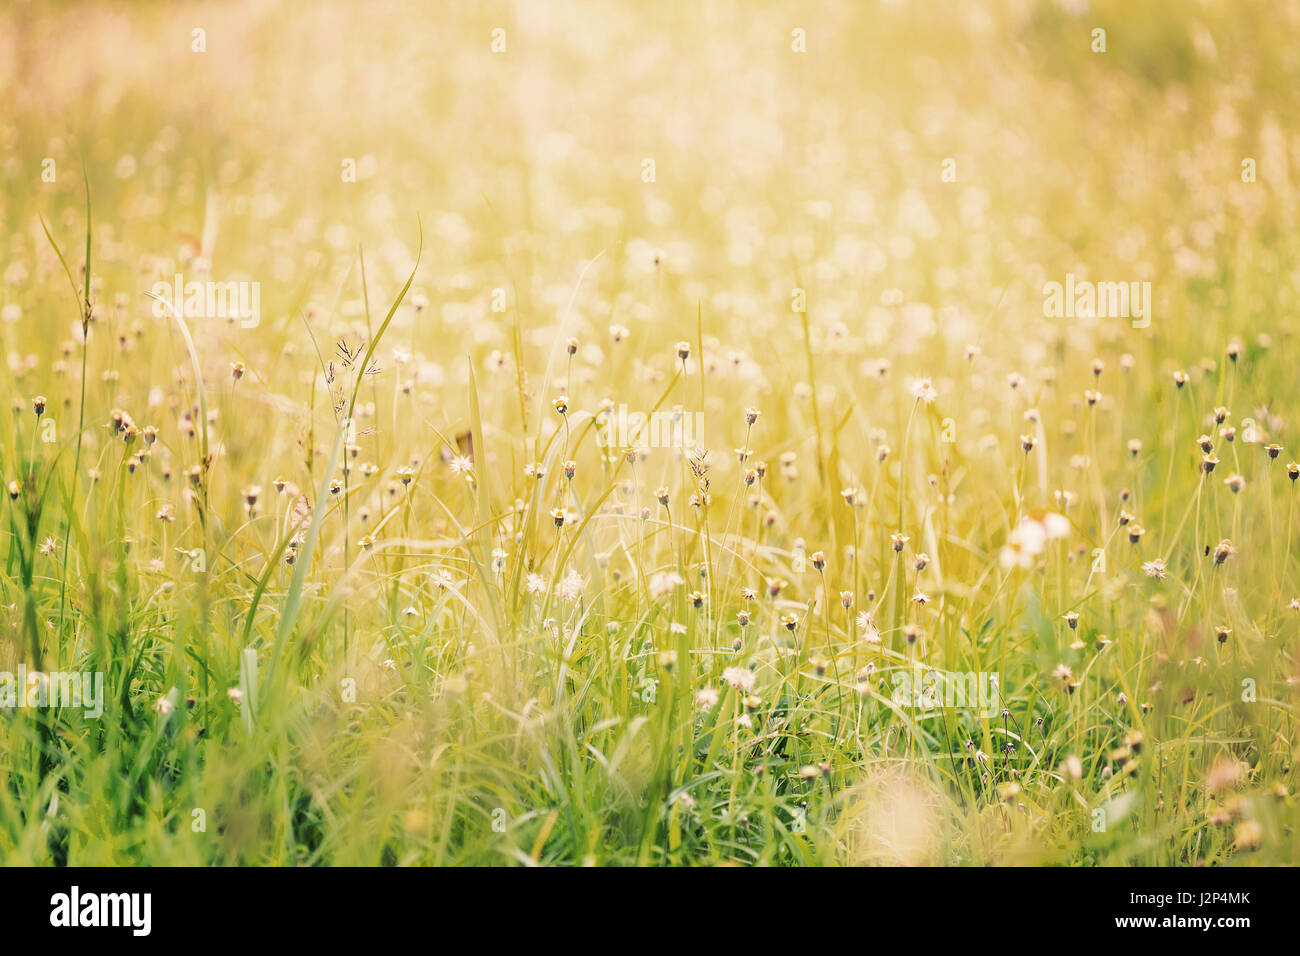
[[827, 204]]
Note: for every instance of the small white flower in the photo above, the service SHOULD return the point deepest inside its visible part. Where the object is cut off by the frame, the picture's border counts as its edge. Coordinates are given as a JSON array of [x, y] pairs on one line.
[[741, 678], [571, 586], [1056, 525], [867, 625], [664, 582], [923, 390], [706, 697], [1155, 569]]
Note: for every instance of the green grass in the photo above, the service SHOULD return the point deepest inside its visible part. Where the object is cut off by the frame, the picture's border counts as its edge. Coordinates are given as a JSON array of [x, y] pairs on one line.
[[397, 656]]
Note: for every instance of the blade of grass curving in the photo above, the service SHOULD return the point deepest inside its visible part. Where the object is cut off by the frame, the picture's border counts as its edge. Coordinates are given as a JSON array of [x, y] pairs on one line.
[[293, 599], [383, 327]]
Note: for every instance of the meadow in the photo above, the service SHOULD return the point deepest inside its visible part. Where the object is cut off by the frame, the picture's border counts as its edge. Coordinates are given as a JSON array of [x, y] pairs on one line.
[[546, 433]]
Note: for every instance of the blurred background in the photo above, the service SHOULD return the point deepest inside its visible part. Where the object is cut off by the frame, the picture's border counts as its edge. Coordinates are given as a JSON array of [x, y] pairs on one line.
[[524, 164]]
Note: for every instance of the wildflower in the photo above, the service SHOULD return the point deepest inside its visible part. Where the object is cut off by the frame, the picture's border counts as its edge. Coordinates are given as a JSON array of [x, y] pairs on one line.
[[1293, 470], [1208, 462], [534, 584], [1135, 533], [912, 633], [751, 415], [561, 405], [1072, 619], [923, 391], [1220, 415], [898, 540], [662, 495], [1235, 483], [683, 350], [1226, 774], [1223, 550], [1248, 833], [740, 678], [38, 405], [846, 599], [1221, 633], [867, 625], [237, 370], [1180, 378], [663, 582], [1273, 450], [707, 697], [236, 695], [1155, 569], [163, 706]]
